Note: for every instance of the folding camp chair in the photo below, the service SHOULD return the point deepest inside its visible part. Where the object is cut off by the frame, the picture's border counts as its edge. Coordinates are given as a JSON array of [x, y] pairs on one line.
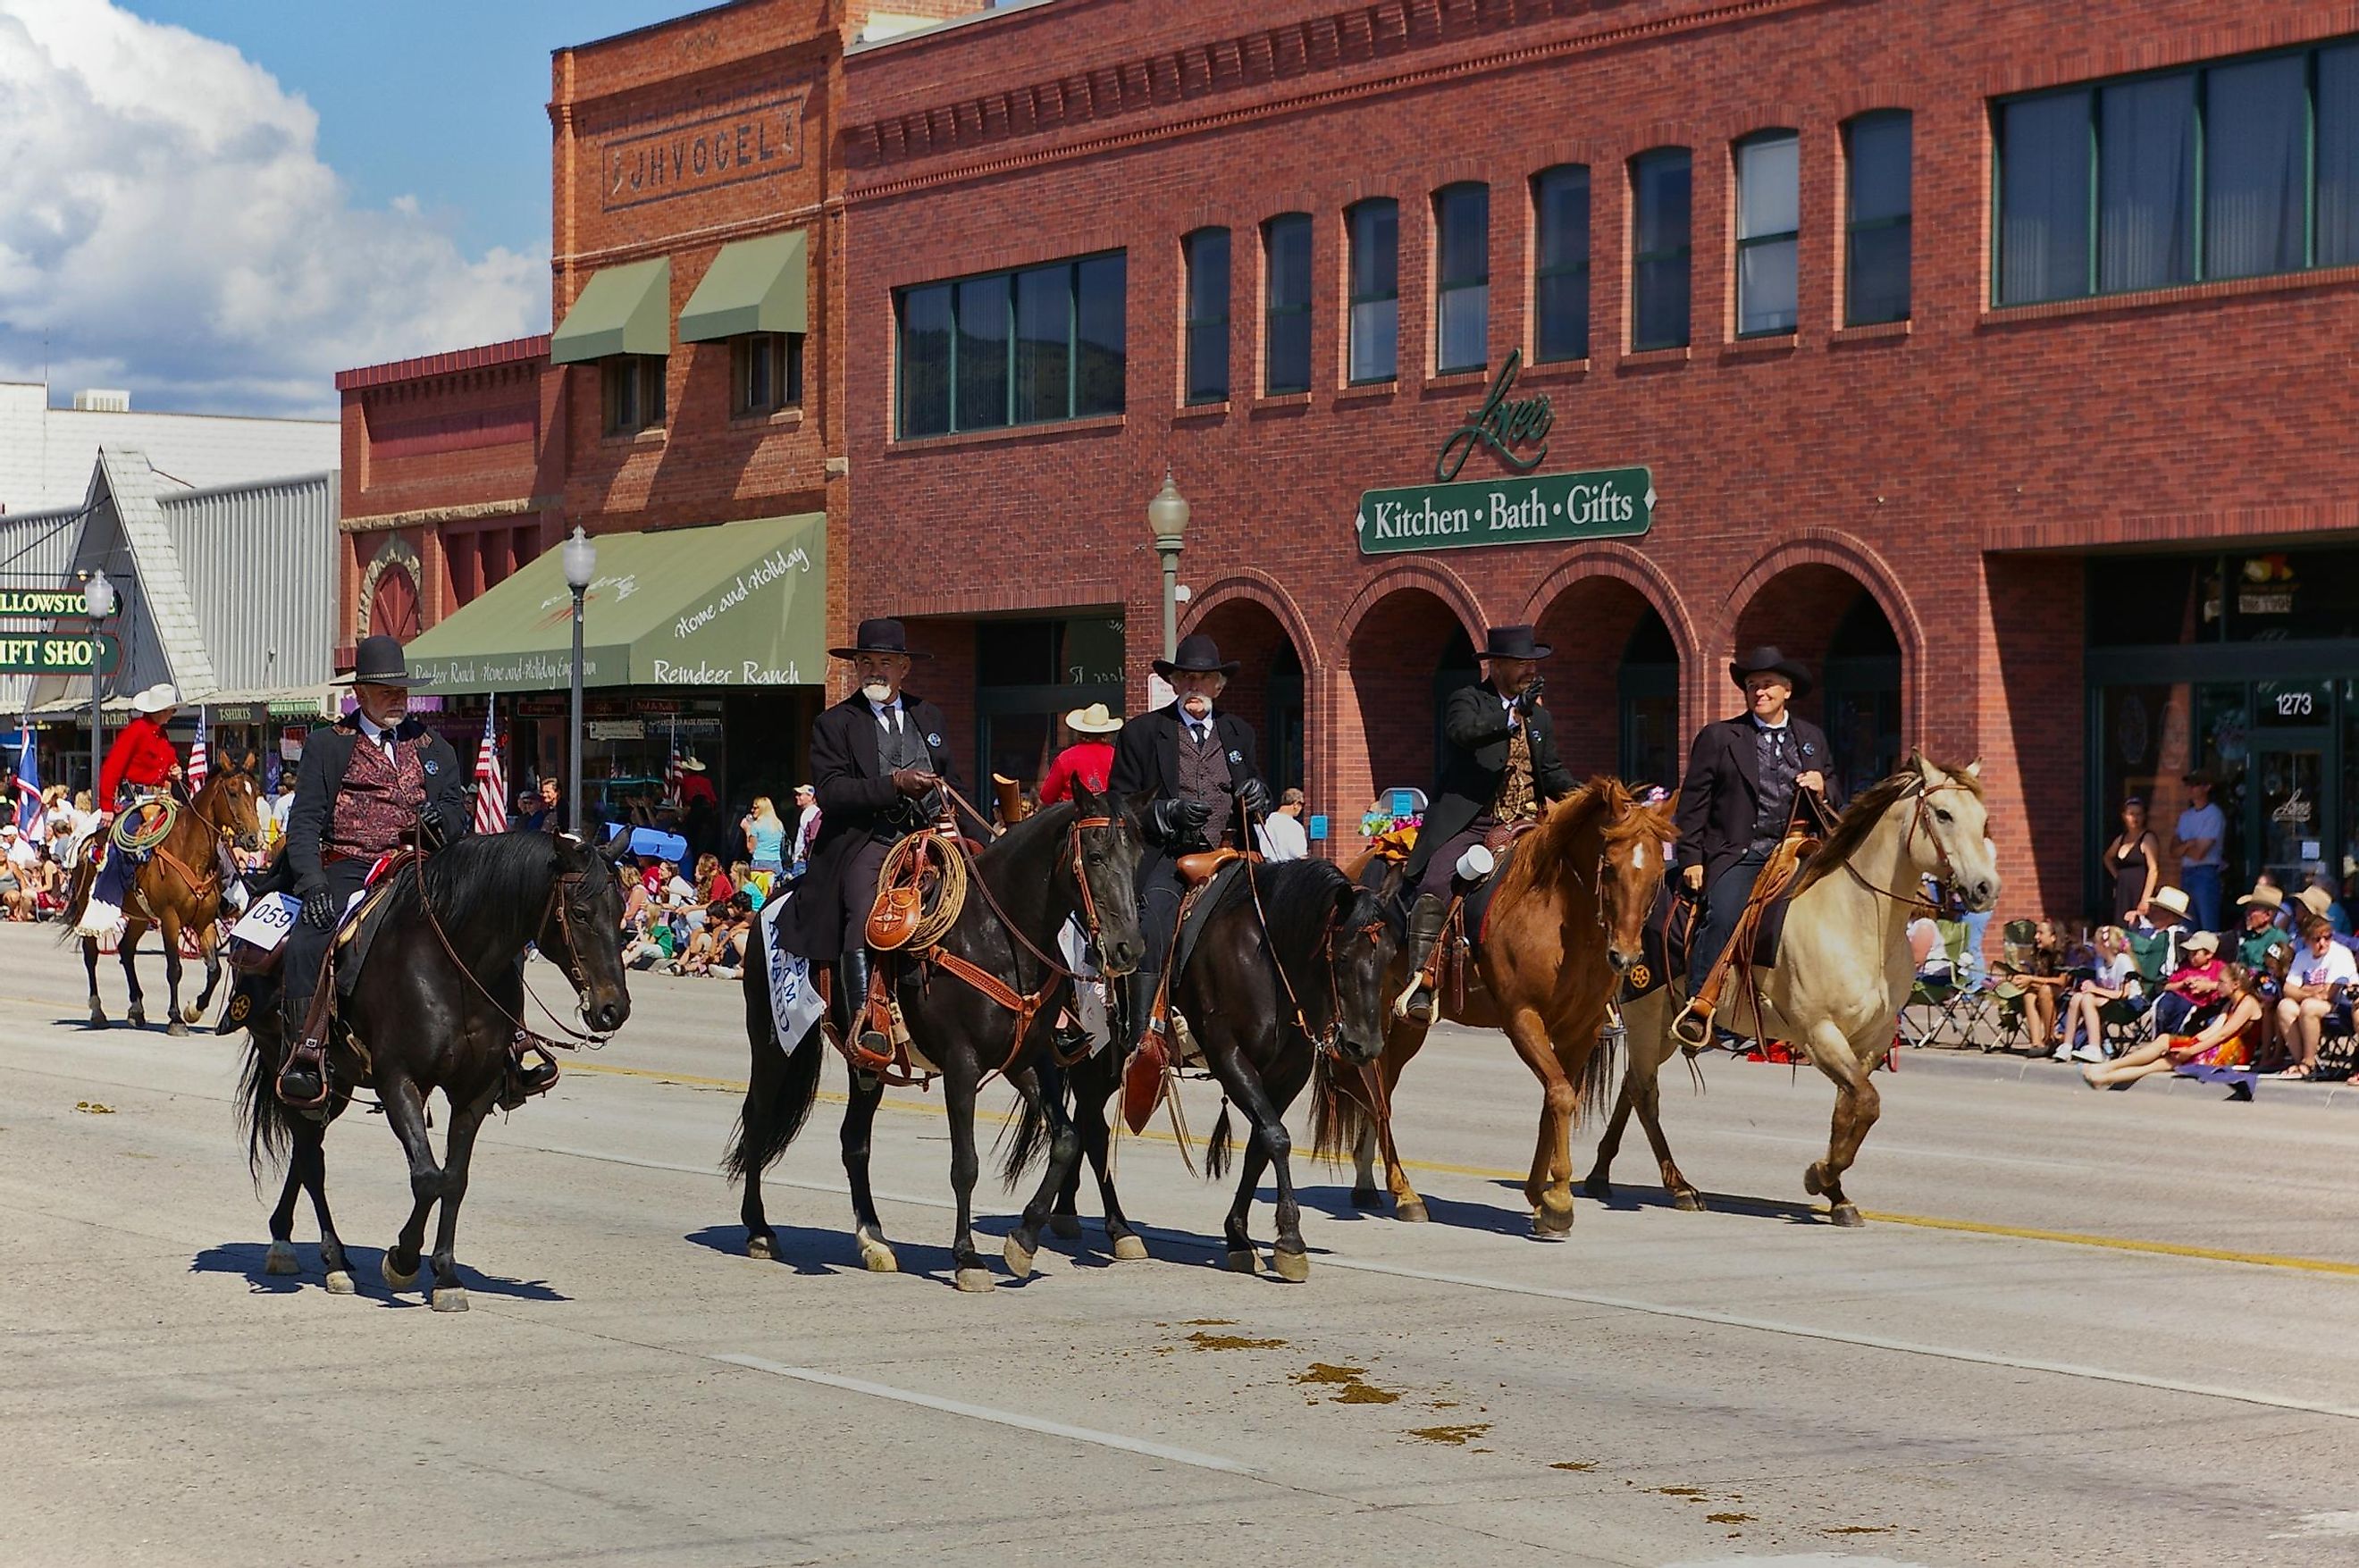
[[1931, 992], [2012, 1027], [1969, 1012]]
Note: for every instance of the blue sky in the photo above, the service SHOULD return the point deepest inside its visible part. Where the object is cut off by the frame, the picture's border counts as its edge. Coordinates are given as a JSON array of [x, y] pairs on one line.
[[436, 99]]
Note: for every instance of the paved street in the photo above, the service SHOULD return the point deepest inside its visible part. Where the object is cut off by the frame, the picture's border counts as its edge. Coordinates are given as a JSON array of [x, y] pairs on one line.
[[1665, 1389]]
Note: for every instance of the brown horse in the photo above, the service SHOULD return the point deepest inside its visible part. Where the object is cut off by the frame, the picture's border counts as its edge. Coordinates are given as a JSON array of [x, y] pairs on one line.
[[179, 889], [1567, 921]]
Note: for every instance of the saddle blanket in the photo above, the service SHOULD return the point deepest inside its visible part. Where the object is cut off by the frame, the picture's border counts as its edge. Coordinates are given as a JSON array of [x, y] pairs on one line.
[[795, 1003]]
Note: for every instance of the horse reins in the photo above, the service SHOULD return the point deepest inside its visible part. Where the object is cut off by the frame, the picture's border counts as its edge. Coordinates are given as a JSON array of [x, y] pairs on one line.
[[1328, 1040], [1944, 875], [558, 899]]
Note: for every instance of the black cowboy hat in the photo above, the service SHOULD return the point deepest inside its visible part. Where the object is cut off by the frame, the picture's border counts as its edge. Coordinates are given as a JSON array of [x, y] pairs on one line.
[[379, 661], [1197, 655], [1511, 642], [1770, 661], [882, 635]]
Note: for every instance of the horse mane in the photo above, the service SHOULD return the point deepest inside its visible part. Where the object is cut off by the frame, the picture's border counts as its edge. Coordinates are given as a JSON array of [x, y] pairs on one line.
[[1605, 802], [503, 870], [1296, 897], [1859, 819]]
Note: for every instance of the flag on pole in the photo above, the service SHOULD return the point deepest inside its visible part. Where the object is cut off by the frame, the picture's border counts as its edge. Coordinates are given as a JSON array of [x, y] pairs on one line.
[[28, 784], [200, 763], [491, 780], [673, 774]]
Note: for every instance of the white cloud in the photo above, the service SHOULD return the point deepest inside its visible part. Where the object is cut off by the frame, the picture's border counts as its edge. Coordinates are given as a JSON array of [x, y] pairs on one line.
[[165, 225]]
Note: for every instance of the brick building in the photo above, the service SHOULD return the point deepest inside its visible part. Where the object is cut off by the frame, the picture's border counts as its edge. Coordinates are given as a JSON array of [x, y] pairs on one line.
[[683, 413], [1990, 358]]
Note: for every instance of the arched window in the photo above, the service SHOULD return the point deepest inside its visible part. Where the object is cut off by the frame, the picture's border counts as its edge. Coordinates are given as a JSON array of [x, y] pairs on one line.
[[393, 611]]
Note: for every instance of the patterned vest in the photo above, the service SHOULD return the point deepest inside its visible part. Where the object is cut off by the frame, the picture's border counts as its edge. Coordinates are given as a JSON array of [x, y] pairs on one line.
[[380, 799], [1205, 775], [1515, 801], [895, 751]]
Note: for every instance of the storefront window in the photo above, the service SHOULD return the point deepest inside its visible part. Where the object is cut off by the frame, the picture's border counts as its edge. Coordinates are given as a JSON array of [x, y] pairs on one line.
[[1029, 674]]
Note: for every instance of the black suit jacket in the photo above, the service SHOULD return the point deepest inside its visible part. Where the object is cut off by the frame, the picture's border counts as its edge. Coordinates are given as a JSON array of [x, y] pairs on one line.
[[1721, 790], [1147, 761], [1476, 736], [857, 803], [320, 777]]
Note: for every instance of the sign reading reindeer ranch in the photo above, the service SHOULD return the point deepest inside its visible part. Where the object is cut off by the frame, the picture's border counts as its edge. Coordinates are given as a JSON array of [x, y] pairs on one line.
[[55, 654], [1609, 503]]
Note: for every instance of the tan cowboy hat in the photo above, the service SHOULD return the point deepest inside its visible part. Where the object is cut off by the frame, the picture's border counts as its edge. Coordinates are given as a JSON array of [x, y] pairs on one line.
[[690, 765], [1093, 720], [156, 698], [2203, 941], [2265, 895], [2316, 900], [2169, 898]]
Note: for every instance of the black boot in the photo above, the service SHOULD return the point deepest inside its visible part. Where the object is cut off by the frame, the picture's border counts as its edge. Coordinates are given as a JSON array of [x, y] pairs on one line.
[[1144, 983], [851, 1003], [1425, 920]]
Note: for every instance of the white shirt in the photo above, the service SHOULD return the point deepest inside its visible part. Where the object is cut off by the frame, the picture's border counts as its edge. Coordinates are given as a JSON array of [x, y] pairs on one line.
[[22, 853], [2119, 973], [2309, 969], [2208, 822], [1199, 730], [679, 890], [1282, 837], [378, 737], [888, 714]]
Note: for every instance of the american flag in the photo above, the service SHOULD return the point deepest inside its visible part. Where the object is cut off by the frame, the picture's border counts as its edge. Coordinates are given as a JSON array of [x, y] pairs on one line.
[[199, 763], [29, 783], [491, 779], [673, 774]]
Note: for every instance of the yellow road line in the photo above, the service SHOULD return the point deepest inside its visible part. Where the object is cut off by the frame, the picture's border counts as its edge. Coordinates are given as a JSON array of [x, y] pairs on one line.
[[1923, 1222]]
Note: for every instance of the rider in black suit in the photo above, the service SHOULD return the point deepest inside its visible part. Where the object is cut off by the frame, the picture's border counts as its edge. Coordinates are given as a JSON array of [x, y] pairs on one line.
[[1484, 784], [1738, 795], [878, 764], [1198, 765]]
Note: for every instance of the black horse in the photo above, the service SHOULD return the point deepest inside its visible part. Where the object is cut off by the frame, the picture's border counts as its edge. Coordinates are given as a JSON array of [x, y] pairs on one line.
[[1079, 857], [1290, 968], [418, 1019]]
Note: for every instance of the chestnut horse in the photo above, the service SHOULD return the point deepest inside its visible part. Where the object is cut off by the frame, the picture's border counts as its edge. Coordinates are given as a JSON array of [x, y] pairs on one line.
[[1566, 921], [1844, 968], [179, 889]]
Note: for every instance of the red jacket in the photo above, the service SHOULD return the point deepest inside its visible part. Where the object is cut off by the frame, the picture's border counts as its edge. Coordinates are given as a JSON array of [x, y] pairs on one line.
[[1090, 760], [140, 757]]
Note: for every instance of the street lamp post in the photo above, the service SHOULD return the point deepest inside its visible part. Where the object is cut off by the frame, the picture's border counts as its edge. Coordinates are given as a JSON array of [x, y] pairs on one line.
[[97, 603], [1167, 516], [581, 565]]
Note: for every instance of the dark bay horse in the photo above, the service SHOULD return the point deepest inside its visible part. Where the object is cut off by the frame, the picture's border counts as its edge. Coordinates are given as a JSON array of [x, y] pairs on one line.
[[1263, 1004], [1567, 920], [420, 1018], [179, 889], [1078, 857]]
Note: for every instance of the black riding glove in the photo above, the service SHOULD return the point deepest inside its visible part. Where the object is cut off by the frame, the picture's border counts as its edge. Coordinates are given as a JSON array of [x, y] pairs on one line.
[[320, 909], [429, 827], [1527, 699], [1253, 796], [1180, 821]]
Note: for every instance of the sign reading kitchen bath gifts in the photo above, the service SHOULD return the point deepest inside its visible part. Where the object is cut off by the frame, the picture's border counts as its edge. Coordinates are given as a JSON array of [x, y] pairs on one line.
[[1522, 508]]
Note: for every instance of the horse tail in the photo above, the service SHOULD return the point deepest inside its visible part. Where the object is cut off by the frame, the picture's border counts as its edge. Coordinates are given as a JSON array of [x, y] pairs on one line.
[[1027, 1142], [1597, 1081], [1216, 1148], [779, 1090], [264, 1118], [1339, 1118]]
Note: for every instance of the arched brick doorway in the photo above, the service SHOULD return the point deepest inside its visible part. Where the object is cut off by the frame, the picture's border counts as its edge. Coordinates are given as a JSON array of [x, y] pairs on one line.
[[1408, 652], [393, 609], [1613, 682], [1827, 618], [1267, 691]]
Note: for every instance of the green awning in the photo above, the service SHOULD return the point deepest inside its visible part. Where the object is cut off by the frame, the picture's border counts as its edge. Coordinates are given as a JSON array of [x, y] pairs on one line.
[[753, 285], [700, 609], [623, 310]]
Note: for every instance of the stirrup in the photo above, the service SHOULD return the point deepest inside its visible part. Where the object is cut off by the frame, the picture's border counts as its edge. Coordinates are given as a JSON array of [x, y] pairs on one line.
[[1692, 1028], [1416, 1000], [312, 1056]]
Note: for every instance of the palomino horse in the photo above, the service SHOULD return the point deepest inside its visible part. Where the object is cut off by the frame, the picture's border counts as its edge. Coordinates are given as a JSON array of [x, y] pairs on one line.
[[1289, 971], [982, 1000], [179, 889], [1567, 921], [1843, 966], [421, 1017]]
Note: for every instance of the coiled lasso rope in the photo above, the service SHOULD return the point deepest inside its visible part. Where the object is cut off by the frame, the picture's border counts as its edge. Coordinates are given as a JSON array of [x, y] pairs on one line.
[[950, 896], [132, 839]]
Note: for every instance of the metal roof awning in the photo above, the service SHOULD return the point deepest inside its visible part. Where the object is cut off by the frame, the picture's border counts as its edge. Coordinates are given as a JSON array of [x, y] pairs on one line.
[[698, 609], [623, 310], [753, 285]]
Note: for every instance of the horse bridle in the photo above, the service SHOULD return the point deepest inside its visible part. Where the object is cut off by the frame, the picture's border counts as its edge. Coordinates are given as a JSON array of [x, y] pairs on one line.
[[1944, 873], [560, 902], [1328, 1042]]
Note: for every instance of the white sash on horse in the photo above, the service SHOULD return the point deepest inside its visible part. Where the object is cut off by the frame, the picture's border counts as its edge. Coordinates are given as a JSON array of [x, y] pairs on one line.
[[794, 1001]]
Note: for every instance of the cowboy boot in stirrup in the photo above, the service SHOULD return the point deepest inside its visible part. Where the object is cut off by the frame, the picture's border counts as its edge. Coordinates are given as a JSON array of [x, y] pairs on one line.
[[1425, 923], [858, 1020]]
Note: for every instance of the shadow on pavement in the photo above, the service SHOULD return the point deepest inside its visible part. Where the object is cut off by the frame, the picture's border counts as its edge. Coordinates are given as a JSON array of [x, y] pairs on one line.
[[1629, 1197], [245, 1258], [804, 1249], [1335, 1203]]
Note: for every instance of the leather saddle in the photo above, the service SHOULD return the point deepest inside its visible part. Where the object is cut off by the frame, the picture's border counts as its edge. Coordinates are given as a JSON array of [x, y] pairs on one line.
[[1204, 865]]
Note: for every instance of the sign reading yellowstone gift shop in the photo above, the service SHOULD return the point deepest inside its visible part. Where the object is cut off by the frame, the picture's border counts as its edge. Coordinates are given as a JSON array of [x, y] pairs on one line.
[[1609, 503]]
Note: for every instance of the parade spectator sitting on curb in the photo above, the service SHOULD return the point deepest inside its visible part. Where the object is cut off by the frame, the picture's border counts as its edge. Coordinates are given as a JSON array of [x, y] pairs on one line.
[[2195, 988], [2228, 1040], [2317, 982], [2156, 937], [2115, 986], [2262, 934], [2202, 855], [20, 886], [2043, 982]]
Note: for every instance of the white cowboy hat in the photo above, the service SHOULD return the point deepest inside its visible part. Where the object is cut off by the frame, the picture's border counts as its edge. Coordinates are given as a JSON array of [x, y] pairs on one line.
[[156, 698], [2170, 899], [690, 765], [2316, 900], [2265, 895], [1093, 720]]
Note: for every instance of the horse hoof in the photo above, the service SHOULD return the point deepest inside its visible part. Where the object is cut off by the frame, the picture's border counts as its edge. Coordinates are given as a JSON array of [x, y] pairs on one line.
[[1687, 1199], [1293, 1267], [1411, 1213], [1130, 1249], [1599, 1188], [339, 1283], [1550, 1223], [1066, 1227], [177, 1028], [1813, 1184], [280, 1259], [449, 1299], [1846, 1216], [136, 1017], [1367, 1198], [762, 1247], [192, 1013], [976, 1281], [1242, 1260], [877, 1258], [394, 1277], [98, 1017], [1020, 1258]]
